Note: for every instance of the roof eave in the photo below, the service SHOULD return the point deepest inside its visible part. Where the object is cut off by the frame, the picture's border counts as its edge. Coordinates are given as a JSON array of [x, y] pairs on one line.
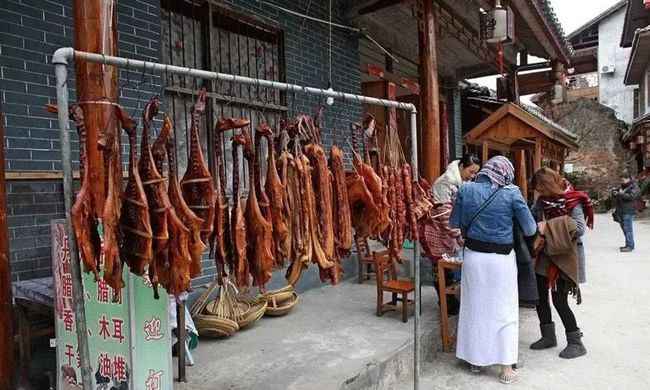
[[638, 57]]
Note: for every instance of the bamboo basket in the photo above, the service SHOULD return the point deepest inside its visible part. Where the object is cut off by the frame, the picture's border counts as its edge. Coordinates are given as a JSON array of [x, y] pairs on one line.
[[276, 310], [254, 314], [215, 327]]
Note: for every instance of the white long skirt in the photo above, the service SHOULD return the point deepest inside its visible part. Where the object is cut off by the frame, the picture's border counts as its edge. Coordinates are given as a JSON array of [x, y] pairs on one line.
[[488, 323]]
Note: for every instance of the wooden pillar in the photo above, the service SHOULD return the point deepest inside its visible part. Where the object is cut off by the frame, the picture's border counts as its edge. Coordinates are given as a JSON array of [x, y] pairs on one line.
[[95, 29], [430, 143], [444, 135], [537, 159], [485, 151], [6, 323], [520, 171]]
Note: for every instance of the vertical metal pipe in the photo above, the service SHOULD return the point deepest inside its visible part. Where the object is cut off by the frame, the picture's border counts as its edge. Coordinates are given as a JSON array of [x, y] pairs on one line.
[[61, 71], [416, 258], [180, 328], [6, 325]]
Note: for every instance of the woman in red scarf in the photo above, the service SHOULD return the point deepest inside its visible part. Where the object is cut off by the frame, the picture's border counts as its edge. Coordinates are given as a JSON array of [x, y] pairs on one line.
[[558, 198]]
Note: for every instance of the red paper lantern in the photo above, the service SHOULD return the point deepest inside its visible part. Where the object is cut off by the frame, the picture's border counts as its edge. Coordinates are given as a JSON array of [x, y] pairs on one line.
[[640, 139]]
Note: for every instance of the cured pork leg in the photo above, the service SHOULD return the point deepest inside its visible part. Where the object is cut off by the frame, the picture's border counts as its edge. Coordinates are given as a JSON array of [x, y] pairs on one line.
[[342, 219], [238, 224], [84, 220], [322, 188], [154, 187], [275, 191], [220, 243], [136, 248], [196, 184], [259, 230]]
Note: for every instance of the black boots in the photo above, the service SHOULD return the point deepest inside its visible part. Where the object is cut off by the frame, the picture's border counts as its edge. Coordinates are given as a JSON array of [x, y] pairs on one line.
[[575, 348], [548, 339]]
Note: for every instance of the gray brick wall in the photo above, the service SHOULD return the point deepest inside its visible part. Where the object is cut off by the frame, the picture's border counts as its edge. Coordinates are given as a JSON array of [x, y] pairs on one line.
[[31, 30]]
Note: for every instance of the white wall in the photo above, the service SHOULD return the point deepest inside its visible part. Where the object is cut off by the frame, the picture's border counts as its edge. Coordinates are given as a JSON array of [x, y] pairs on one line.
[[613, 92]]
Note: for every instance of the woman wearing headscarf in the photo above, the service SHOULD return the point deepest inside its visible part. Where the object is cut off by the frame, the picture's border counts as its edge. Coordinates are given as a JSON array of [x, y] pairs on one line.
[[436, 235], [485, 211], [563, 213]]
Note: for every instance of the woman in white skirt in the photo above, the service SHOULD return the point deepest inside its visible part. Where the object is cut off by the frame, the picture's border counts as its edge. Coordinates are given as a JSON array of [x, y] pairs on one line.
[[488, 322]]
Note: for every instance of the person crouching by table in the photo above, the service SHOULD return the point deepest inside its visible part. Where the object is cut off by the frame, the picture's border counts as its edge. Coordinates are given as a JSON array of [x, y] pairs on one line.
[[436, 235], [488, 323], [562, 213]]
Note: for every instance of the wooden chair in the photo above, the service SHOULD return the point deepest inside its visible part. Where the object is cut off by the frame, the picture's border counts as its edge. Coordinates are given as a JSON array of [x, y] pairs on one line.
[[399, 289], [454, 289], [364, 259]]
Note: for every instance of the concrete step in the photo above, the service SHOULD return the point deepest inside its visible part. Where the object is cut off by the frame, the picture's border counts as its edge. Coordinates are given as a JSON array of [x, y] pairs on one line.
[[331, 340]]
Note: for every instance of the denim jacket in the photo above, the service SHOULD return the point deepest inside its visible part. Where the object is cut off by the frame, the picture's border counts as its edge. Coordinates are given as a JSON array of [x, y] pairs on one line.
[[495, 223]]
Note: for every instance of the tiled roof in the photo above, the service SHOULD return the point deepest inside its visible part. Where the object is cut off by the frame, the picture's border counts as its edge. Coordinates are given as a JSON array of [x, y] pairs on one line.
[[549, 13]]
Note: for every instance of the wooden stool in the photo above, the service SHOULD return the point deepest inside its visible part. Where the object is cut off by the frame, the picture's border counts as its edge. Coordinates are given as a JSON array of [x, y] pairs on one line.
[[447, 339], [364, 259], [400, 289]]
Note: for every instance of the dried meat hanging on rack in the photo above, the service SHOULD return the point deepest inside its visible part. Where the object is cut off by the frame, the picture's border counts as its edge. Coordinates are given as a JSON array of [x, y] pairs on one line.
[[220, 242], [288, 213], [136, 250], [275, 191], [301, 241], [258, 229], [238, 224], [196, 184], [342, 219], [185, 214], [84, 220], [157, 198], [113, 206]]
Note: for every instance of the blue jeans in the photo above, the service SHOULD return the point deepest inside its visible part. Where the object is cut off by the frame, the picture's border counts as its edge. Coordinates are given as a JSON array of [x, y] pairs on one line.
[[626, 221]]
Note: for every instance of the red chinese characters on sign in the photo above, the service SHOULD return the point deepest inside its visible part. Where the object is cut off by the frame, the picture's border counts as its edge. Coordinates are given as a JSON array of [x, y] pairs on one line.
[[68, 320], [119, 369], [102, 291], [104, 332], [117, 329], [116, 296], [68, 353], [105, 366], [66, 285], [153, 381], [113, 368], [152, 329]]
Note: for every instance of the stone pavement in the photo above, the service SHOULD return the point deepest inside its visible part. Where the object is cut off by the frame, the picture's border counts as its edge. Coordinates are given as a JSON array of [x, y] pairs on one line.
[[614, 316]]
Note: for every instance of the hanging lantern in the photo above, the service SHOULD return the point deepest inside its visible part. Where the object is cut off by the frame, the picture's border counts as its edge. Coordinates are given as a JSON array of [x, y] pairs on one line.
[[632, 145], [646, 4], [640, 139], [498, 24]]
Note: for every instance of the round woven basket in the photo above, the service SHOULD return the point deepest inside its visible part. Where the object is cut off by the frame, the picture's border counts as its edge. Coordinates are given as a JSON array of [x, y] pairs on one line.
[[253, 315], [280, 310], [240, 309], [215, 327], [278, 298]]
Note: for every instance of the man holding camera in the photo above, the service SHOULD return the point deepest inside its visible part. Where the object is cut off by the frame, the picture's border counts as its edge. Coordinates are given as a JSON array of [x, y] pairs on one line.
[[626, 197]]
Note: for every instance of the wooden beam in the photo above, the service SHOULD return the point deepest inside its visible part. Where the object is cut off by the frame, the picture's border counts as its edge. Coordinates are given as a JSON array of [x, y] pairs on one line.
[[537, 162], [378, 72], [485, 151], [430, 93], [520, 170]]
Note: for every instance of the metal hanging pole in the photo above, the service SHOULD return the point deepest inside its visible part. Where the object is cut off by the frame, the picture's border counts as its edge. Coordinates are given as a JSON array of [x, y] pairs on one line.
[[416, 259], [61, 70], [61, 58]]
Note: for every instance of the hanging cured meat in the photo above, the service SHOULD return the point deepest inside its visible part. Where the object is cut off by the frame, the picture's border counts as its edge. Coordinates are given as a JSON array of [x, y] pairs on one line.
[[184, 213], [220, 242], [154, 187], [322, 187], [259, 230], [288, 213], [111, 213], [302, 237], [196, 184], [275, 191], [262, 197], [238, 225], [84, 220], [342, 222], [136, 248]]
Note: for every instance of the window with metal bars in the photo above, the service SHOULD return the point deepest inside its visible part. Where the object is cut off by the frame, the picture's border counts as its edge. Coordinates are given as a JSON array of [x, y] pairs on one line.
[[204, 35]]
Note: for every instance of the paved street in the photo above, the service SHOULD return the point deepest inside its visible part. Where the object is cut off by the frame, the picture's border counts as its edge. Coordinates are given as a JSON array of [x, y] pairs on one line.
[[614, 316]]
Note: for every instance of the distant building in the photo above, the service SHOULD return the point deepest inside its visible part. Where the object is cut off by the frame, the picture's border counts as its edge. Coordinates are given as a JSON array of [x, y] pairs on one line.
[[636, 37], [600, 63]]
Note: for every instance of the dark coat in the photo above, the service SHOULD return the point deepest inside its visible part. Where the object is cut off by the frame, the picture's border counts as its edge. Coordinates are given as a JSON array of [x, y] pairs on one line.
[[526, 280], [626, 198]]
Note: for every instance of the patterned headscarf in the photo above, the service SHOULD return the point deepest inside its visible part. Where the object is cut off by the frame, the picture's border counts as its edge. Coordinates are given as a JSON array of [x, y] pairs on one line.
[[499, 171]]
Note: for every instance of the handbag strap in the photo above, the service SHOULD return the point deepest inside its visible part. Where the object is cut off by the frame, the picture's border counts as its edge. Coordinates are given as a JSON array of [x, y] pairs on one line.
[[480, 209]]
